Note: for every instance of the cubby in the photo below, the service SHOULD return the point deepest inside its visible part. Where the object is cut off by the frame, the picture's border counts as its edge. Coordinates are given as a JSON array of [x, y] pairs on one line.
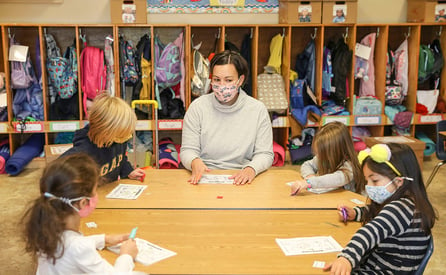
[[212, 38]]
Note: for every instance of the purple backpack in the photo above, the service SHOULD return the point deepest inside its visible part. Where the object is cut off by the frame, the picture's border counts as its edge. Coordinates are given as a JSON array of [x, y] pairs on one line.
[[167, 67], [21, 77]]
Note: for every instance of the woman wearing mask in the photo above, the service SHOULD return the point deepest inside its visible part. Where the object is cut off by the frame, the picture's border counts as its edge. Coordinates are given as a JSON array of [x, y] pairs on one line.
[[227, 129]]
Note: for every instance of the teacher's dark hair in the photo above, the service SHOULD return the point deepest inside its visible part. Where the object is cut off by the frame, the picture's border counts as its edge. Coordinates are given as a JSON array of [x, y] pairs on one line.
[[234, 58]]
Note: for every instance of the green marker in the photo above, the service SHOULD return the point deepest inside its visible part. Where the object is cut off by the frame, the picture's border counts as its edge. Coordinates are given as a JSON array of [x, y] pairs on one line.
[[133, 233]]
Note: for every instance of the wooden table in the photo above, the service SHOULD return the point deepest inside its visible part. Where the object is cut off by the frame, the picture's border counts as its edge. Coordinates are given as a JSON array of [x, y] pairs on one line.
[[170, 189], [224, 241]]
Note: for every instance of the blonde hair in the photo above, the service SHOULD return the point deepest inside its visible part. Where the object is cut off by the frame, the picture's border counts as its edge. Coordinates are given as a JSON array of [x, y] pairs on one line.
[[111, 120], [333, 145]]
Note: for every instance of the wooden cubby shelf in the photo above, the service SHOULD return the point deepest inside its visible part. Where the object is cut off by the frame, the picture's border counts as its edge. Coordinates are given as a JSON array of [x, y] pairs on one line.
[[213, 38]]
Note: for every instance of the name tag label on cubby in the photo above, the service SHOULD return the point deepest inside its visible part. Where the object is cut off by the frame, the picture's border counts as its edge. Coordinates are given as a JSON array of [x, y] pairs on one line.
[[342, 119], [430, 118], [170, 124], [143, 125], [367, 120], [64, 126], [3, 128], [29, 127]]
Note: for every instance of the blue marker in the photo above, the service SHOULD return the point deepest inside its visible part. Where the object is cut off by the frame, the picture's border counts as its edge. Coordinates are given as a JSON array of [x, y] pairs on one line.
[[133, 233]]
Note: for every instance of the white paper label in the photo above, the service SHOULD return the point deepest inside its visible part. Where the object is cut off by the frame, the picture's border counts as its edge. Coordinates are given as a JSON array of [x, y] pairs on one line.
[[29, 127], [64, 126], [142, 125], [3, 128], [18, 53], [170, 124], [362, 51], [368, 120], [433, 118], [336, 118]]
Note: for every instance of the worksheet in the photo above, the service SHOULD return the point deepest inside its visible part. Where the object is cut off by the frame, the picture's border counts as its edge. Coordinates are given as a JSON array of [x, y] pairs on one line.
[[126, 191], [216, 179], [308, 245], [148, 253]]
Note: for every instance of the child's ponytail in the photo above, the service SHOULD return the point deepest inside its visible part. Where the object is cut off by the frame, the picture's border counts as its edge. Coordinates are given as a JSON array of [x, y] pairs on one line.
[[43, 228]]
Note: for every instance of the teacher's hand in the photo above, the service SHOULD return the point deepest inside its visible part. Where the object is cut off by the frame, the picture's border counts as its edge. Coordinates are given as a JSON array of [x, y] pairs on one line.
[[246, 175], [198, 168]]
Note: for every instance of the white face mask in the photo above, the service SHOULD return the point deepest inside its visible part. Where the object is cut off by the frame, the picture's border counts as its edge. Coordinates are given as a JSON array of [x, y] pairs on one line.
[[379, 194], [225, 93]]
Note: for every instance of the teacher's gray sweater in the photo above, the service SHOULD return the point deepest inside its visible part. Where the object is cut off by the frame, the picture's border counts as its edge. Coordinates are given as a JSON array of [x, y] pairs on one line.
[[227, 137]]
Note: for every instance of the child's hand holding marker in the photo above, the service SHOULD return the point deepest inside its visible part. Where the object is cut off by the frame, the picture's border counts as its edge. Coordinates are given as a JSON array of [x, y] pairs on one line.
[[129, 247], [346, 213]]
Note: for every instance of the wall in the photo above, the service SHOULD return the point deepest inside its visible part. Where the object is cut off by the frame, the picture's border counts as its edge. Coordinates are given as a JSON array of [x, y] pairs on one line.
[[98, 11]]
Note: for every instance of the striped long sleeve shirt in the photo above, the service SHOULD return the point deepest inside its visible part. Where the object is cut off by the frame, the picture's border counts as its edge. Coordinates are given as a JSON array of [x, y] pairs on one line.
[[392, 243]]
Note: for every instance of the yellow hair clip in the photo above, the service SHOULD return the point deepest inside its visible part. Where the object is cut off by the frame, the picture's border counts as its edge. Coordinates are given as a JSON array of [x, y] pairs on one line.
[[379, 153]]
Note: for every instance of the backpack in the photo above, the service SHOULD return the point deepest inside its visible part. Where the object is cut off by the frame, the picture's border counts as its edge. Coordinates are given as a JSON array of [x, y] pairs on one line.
[[93, 73], [62, 71], [327, 73], [21, 77], [299, 97], [172, 107], [271, 91], [128, 65], [367, 67], [167, 66], [305, 64], [430, 61], [394, 94], [200, 81], [342, 59], [425, 63], [109, 62]]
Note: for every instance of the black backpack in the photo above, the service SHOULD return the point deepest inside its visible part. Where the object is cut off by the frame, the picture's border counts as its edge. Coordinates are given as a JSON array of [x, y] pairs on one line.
[[341, 64], [172, 108]]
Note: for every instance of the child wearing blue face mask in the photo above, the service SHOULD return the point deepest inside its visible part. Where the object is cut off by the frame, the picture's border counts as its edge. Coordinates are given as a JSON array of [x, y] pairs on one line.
[[51, 224], [397, 223]]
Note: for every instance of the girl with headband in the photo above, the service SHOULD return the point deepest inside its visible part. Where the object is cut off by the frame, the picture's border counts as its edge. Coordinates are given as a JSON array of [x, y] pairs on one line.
[[397, 223]]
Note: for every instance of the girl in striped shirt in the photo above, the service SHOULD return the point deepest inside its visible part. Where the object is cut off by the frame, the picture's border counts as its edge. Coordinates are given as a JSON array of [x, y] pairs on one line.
[[397, 223]]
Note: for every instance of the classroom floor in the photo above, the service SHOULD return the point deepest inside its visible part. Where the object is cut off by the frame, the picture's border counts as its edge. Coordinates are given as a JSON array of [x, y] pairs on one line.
[[16, 192]]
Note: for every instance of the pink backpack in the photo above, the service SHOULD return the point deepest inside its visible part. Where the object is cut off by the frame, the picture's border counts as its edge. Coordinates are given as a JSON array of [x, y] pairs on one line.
[[93, 73]]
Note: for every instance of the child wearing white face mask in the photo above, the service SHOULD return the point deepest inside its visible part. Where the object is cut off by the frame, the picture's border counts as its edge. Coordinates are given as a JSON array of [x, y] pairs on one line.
[[227, 129], [397, 223], [68, 193]]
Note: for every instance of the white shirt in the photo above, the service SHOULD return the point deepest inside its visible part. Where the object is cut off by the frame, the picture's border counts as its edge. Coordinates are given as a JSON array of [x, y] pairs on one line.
[[81, 256]]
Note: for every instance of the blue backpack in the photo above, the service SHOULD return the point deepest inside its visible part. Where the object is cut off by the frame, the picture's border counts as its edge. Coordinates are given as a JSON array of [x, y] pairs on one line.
[[128, 65], [62, 71], [327, 73]]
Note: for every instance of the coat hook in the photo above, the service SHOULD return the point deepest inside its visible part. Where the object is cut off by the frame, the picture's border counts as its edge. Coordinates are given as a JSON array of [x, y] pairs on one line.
[[313, 36], [377, 32], [345, 35], [283, 32], [219, 33], [250, 35], [408, 33], [439, 32]]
